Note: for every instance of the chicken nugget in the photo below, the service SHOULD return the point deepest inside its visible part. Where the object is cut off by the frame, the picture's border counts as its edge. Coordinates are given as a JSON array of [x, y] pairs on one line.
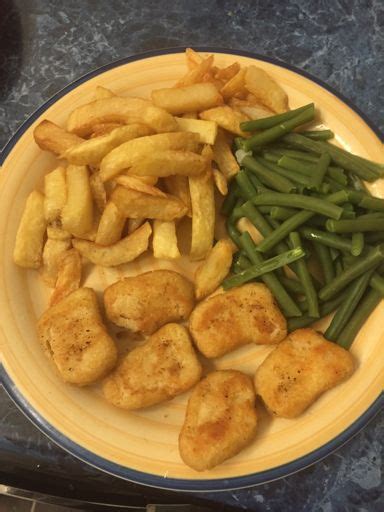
[[299, 370], [246, 314], [146, 302], [75, 338], [165, 366], [220, 420]]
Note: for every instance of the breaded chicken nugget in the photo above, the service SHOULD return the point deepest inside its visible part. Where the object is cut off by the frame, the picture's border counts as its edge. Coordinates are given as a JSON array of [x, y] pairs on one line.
[[247, 314], [299, 370], [220, 420], [165, 366], [75, 338], [146, 302]]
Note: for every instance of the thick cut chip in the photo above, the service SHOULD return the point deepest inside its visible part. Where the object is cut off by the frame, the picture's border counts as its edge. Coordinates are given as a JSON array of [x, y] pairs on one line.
[[120, 110], [223, 156], [110, 226], [165, 240], [220, 420], [123, 251], [56, 232], [164, 367], [74, 337], [145, 302], [244, 225], [135, 205], [228, 72], [92, 151], [53, 250], [193, 58], [207, 130], [214, 269], [30, 234], [250, 109], [103, 92], [104, 128], [69, 272], [192, 98], [133, 224], [226, 118], [196, 75], [169, 162], [220, 181], [247, 314], [50, 137], [99, 192], [179, 187], [299, 370], [136, 183], [125, 155], [234, 86], [203, 214], [55, 193], [264, 87], [77, 214]]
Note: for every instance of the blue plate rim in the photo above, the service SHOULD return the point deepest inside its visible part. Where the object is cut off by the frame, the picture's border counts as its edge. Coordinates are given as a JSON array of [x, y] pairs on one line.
[[138, 477]]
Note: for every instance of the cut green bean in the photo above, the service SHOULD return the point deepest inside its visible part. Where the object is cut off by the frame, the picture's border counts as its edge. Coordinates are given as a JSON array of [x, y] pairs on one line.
[[356, 225], [233, 232], [321, 169], [269, 122], [373, 258], [247, 190], [372, 203], [253, 214], [297, 155], [325, 260], [374, 166], [271, 156], [305, 278], [374, 238], [291, 175], [377, 283], [357, 244], [282, 212], [229, 201], [275, 132], [259, 187], [328, 239], [274, 181], [293, 285], [318, 134]]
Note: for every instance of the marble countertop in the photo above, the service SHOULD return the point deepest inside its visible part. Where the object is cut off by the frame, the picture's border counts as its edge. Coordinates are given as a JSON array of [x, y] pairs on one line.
[[45, 44]]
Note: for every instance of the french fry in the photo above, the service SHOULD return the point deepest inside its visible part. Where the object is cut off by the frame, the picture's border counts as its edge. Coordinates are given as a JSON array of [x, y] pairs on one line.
[[148, 180], [229, 72], [196, 75], [207, 130], [203, 213], [98, 191], [179, 187], [91, 234], [133, 224], [68, 276], [264, 87], [124, 156], [234, 86], [223, 156], [53, 250], [50, 137], [250, 109], [123, 251], [192, 98], [110, 226], [220, 181], [28, 248], [119, 110], [165, 240], [193, 58], [189, 115], [135, 205], [99, 129], [134, 183], [55, 193], [92, 151], [167, 163], [244, 224], [226, 118], [77, 214], [214, 269], [56, 232], [102, 93]]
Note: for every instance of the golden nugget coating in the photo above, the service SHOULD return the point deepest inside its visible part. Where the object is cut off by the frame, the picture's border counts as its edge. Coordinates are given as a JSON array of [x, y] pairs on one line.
[[75, 338], [299, 370], [146, 302], [220, 420], [246, 314], [165, 366]]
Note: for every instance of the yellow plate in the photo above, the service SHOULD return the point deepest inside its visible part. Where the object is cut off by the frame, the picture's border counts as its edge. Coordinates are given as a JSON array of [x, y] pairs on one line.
[[142, 446]]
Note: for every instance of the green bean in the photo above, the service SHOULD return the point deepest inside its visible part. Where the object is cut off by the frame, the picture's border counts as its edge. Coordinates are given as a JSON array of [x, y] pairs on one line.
[[233, 232], [313, 204], [328, 239], [286, 303], [363, 310], [229, 201], [305, 278], [272, 180], [238, 142], [356, 183], [319, 134], [373, 258], [269, 122], [293, 285], [374, 238], [277, 131], [345, 161], [282, 213], [354, 226], [339, 268], [377, 283], [291, 175], [334, 185], [321, 169], [325, 259], [297, 155], [259, 187], [316, 169], [246, 188], [334, 253], [357, 244], [252, 213], [271, 156], [265, 209], [373, 215], [375, 167], [372, 203]]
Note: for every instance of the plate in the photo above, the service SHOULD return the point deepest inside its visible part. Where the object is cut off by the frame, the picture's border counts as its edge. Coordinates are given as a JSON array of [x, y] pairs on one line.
[[141, 446]]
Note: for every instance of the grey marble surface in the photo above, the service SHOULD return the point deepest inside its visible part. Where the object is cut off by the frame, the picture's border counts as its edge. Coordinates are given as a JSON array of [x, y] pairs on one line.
[[46, 44]]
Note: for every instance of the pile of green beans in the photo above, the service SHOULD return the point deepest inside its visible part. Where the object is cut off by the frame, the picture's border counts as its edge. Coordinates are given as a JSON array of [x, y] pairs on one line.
[[322, 249]]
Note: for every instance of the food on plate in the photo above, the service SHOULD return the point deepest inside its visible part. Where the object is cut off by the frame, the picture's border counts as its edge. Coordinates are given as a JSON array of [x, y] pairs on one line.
[[192, 98], [266, 89], [228, 320], [220, 181], [235, 85], [110, 226], [77, 213], [223, 156], [69, 272], [29, 241], [299, 370], [140, 183], [51, 137], [145, 302], [125, 250], [207, 130], [179, 186], [210, 274], [55, 193], [74, 337], [53, 250], [225, 117], [164, 367], [220, 420], [164, 241]]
